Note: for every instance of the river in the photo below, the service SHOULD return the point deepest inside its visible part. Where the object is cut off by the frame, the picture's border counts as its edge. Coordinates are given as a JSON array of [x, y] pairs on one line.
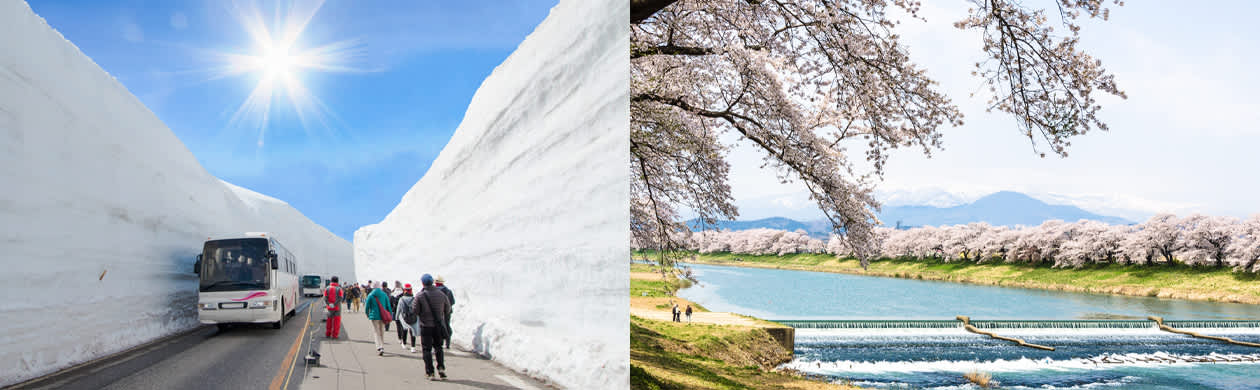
[[937, 358]]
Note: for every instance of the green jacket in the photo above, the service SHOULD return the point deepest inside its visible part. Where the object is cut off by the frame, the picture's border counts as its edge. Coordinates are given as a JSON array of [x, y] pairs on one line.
[[373, 311]]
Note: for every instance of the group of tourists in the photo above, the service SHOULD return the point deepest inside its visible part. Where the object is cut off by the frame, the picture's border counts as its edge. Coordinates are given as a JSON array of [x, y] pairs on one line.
[[426, 314]]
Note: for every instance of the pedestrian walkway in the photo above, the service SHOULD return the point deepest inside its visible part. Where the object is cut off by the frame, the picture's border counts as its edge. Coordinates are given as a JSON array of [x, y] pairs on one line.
[[351, 362]]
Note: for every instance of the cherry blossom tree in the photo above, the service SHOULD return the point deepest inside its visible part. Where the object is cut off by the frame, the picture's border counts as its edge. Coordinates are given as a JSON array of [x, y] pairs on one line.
[[960, 240], [994, 243], [1245, 247], [1207, 239], [1195, 240], [1078, 247], [806, 80]]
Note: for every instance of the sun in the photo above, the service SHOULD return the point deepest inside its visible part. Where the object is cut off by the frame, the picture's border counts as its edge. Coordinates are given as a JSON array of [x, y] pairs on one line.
[[277, 62], [279, 59]]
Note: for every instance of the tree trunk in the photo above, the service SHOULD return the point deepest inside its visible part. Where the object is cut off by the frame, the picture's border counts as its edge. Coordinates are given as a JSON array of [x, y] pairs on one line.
[[1168, 255], [643, 9]]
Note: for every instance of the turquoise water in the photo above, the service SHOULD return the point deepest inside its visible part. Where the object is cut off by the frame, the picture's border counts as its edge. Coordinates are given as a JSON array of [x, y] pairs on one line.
[[787, 294], [938, 358]]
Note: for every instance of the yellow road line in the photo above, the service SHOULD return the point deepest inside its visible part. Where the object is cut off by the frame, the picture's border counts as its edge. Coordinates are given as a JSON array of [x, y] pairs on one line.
[[281, 381]]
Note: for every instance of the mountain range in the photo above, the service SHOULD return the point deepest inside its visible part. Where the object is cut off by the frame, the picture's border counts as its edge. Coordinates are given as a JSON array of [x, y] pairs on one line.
[[1004, 208]]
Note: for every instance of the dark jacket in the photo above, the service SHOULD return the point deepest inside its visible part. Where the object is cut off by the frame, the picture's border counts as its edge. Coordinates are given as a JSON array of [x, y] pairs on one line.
[[450, 296], [431, 306]]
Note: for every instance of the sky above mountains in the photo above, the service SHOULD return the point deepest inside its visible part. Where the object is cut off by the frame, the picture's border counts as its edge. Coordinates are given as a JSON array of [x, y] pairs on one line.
[[1182, 142], [379, 87]]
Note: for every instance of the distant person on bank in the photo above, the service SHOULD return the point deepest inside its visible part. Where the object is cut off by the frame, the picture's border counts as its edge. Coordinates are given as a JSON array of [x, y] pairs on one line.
[[450, 297], [431, 306], [688, 313], [377, 308]]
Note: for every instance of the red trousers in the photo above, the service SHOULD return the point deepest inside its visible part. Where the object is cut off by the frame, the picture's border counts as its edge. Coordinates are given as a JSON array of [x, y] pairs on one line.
[[332, 326]]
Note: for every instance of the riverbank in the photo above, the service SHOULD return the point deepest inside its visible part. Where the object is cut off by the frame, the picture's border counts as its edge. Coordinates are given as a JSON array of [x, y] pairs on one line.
[[1162, 281], [715, 351]]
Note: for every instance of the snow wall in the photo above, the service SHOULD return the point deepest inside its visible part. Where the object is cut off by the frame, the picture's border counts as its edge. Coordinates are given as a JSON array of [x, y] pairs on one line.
[[525, 212], [103, 209]]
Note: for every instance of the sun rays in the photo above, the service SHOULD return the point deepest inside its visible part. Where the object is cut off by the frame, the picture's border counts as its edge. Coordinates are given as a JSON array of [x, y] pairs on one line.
[[279, 58]]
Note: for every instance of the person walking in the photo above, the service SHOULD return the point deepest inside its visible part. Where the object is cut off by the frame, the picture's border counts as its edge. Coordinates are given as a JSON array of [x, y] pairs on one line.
[[430, 306], [333, 299], [407, 321], [364, 289], [378, 310], [352, 295], [345, 291], [450, 297], [394, 294], [389, 294], [688, 313], [673, 311], [360, 292]]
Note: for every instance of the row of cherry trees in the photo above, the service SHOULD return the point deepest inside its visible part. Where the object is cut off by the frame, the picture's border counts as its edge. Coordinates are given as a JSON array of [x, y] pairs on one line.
[[1195, 240]]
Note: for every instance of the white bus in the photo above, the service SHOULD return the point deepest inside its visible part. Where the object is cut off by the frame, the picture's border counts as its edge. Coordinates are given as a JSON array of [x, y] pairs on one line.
[[312, 286], [246, 279]]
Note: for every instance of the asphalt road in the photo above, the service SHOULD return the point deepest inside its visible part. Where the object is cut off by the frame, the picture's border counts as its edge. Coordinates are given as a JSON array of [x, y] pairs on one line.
[[236, 358]]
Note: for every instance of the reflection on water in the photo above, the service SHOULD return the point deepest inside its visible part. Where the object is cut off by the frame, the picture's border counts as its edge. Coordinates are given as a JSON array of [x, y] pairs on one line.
[[788, 294]]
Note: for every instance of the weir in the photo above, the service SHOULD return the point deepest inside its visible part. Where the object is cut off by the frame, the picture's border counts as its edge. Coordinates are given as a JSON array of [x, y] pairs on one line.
[[1163, 325], [872, 324], [971, 328]]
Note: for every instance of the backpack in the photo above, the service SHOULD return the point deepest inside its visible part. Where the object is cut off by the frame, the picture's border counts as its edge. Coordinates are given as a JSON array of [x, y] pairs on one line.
[[332, 296], [407, 315]]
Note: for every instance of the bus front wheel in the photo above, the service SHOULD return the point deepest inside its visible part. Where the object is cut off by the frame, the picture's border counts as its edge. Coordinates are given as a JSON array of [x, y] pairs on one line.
[[279, 324]]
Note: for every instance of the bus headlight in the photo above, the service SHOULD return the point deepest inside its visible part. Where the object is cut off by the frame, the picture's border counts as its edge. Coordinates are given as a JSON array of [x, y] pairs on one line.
[[207, 306], [260, 304]]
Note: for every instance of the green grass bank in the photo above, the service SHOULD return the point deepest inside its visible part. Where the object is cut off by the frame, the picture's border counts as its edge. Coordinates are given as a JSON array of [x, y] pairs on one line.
[[667, 355]]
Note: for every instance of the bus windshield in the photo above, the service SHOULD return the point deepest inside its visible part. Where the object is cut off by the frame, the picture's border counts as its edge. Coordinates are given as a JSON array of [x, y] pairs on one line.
[[310, 281], [235, 264]]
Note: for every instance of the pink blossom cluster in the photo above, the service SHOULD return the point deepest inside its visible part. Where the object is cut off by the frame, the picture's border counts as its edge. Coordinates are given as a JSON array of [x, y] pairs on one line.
[[1195, 240]]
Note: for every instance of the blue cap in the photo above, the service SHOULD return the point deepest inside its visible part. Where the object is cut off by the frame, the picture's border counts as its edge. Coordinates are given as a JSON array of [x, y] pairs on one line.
[[427, 280]]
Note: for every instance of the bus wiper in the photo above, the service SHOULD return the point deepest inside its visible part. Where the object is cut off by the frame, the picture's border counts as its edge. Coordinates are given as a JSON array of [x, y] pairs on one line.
[[225, 283]]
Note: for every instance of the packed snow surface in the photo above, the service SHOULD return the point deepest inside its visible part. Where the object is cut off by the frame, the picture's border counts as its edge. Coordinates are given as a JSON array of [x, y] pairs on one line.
[[525, 211], [102, 210]]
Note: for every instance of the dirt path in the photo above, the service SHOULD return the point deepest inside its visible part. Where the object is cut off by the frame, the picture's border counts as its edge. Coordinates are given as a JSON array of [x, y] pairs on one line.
[[645, 276], [696, 317]]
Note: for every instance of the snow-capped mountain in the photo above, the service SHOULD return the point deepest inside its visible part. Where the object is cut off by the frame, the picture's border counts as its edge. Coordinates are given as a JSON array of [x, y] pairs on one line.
[[1007, 208]]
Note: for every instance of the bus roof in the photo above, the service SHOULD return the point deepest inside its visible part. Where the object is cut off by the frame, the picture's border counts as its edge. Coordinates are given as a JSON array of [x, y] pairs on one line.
[[240, 235]]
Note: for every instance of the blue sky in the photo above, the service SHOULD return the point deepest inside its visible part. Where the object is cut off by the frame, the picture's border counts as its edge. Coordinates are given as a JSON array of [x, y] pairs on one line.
[[1185, 140], [416, 65]]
